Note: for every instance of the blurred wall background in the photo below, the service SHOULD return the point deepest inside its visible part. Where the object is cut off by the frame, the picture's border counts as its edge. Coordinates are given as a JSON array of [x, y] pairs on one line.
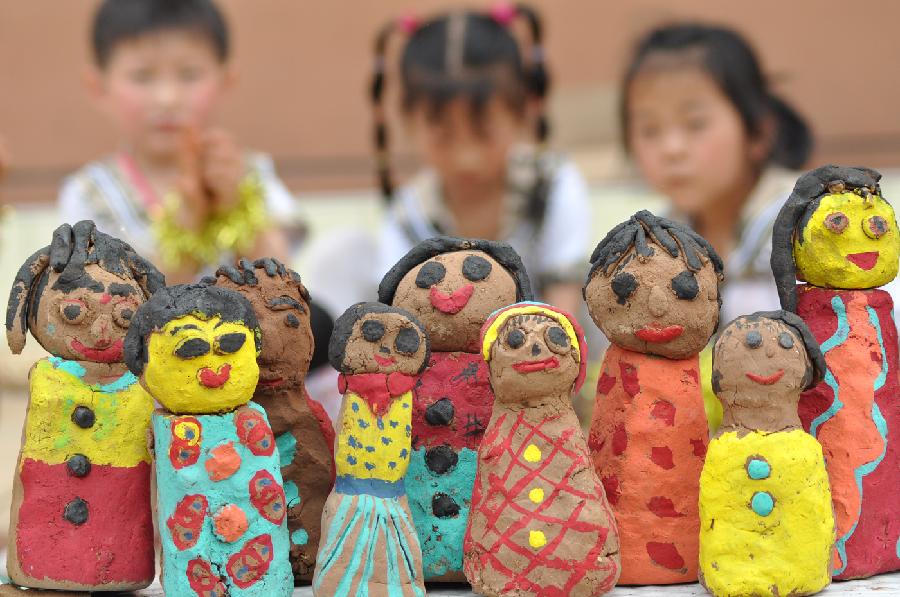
[[304, 68]]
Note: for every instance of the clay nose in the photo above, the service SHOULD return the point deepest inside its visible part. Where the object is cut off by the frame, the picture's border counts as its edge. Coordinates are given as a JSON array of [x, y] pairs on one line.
[[384, 350], [535, 349], [658, 302], [100, 330]]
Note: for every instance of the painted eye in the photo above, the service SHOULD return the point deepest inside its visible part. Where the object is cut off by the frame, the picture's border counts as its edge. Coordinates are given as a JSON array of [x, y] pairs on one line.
[[73, 311], [685, 285], [515, 338], [122, 314], [430, 274], [407, 341], [753, 339], [875, 227], [557, 339], [230, 343], [372, 330], [192, 348], [785, 340], [291, 321], [623, 285], [475, 268], [836, 222]]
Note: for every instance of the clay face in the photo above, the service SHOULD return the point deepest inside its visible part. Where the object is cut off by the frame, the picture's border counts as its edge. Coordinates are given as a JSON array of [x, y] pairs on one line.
[[757, 361], [849, 241], [532, 357], [88, 321], [198, 365], [656, 304], [385, 343], [283, 315], [452, 294]]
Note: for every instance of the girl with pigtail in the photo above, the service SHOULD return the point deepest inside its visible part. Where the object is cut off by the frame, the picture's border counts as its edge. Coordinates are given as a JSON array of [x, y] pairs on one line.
[[474, 97]]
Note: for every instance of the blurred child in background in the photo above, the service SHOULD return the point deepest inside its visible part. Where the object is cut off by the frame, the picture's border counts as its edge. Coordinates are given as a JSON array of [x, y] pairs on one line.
[[180, 190], [706, 132]]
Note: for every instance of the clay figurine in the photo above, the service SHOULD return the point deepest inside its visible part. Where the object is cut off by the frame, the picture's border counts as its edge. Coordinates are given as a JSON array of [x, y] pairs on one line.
[[81, 512], [653, 289], [451, 285], [766, 525], [369, 545], [303, 432], [540, 522], [221, 510], [838, 234]]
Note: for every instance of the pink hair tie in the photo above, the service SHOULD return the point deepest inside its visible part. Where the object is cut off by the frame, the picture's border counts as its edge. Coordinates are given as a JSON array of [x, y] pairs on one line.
[[504, 13], [408, 24]]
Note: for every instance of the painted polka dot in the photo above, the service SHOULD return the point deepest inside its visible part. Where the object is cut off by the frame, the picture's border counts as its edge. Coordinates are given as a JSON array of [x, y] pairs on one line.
[[762, 503], [536, 495], [758, 468], [537, 539], [532, 453], [300, 537]]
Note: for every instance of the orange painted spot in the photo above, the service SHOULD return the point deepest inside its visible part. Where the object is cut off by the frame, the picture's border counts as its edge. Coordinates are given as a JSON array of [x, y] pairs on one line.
[[230, 523], [223, 461]]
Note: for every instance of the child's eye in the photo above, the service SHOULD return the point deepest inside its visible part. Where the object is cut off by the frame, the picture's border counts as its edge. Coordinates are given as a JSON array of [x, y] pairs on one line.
[[192, 348], [141, 76], [875, 227], [73, 311], [648, 131], [230, 343], [695, 124], [836, 222]]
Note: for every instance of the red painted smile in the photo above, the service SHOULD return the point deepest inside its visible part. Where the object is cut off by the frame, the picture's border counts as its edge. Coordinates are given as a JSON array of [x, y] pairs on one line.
[[214, 379], [864, 261], [766, 381], [451, 304], [658, 335], [107, 354], [532, 366], [385, 361]]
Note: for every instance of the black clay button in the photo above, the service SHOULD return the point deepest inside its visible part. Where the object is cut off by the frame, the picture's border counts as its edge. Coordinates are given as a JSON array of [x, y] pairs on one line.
[[440, 412], [79, 465], [76, 511], [83, 417], [444, 506], [440, 459]]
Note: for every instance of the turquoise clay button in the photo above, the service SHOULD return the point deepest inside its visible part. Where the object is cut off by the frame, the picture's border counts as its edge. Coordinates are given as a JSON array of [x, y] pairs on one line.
[[758, 469], [762, 503]]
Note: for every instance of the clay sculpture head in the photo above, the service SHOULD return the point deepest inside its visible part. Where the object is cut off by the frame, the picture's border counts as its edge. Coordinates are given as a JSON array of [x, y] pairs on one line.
[[653, 287], [534, 351], [281, 304], [78, 295], [452, 284], [761, 363], [834, 231], [194, 348]]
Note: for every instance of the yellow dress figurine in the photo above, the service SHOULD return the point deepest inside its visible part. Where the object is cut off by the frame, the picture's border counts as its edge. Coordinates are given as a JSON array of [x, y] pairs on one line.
[[766, 524]]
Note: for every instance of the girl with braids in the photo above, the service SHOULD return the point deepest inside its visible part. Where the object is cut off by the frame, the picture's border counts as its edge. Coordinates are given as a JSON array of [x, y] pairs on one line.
[[471, 94], [706, 132]]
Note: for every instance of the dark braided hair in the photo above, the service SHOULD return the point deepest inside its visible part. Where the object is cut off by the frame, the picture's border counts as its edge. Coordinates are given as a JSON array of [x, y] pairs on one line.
[[468, 54], [642, 228]]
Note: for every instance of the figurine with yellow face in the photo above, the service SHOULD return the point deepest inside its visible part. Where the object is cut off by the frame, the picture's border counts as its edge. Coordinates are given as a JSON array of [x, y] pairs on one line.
[[221, 506], [838, 234]]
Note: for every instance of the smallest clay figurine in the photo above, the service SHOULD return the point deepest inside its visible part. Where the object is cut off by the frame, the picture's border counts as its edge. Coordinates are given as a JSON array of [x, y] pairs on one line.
[[221, 508], [369, 545], [766, 523]]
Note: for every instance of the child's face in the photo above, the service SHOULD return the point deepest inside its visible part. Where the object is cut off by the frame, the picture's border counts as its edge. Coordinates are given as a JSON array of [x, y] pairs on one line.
[[687, 138], [469, 152], [159, 85]]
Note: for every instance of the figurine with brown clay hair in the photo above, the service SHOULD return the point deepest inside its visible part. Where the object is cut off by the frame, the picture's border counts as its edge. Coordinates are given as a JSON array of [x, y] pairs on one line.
[[838, 234], [81, 515], [221, 510], [653, 289], [369, 545], [766, 524], [303, 432], [451, 285], [540, 522]]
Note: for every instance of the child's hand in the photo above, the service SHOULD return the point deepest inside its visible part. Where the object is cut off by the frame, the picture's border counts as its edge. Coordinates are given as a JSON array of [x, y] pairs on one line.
[[222, 168], [195, 206]]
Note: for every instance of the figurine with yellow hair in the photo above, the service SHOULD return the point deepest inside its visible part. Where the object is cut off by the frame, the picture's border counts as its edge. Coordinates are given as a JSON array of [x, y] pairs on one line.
[[540, 523], [837, 233], [221, 507]]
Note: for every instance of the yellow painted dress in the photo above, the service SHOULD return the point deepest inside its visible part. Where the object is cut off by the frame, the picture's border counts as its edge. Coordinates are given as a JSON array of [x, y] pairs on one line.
[[766, 523], [368, 538]]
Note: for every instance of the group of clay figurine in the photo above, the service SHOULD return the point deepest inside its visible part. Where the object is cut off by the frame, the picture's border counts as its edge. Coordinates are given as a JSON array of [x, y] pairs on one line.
[[457, 454]]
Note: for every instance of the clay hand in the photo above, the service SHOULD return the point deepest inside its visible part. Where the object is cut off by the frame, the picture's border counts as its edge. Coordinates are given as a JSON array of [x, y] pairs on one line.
[[222, 168], [195, 203]]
